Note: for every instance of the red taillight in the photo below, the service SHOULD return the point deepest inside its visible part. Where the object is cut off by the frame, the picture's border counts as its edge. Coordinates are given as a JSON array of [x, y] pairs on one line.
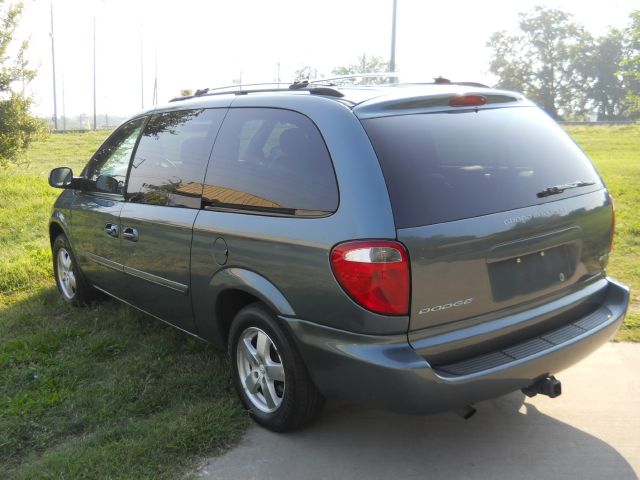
[[613, 222], [467, 101], [375, 273]]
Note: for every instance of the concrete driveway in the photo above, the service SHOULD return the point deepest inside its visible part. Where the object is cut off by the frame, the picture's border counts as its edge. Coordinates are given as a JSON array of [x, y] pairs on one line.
[[592, 431]]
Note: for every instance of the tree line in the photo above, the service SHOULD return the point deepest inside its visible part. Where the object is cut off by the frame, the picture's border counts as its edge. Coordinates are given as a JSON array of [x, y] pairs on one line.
[[555, 62], [552, 59], [567, 71]]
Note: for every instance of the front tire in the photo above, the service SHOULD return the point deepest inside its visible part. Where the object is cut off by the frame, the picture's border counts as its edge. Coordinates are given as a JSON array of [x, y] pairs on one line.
[[72, 285], [268, 372]]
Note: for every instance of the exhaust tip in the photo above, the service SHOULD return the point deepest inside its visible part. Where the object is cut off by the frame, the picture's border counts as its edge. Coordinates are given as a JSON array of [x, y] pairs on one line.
[[466, 412]]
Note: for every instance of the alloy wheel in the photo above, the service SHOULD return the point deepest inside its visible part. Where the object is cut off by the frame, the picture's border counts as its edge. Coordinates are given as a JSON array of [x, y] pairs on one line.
[[260, 370], [66, 277]]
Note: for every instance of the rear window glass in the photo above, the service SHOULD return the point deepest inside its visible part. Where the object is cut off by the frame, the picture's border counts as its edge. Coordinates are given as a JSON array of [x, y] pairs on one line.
[[453, 165]]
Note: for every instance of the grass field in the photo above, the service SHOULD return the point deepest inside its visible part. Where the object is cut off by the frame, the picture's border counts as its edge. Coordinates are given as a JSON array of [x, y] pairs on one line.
[[616, 153], [107, 392], [99, 392]]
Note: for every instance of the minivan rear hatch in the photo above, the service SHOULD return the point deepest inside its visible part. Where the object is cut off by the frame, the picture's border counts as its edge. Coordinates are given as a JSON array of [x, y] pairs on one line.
[[496, 205]]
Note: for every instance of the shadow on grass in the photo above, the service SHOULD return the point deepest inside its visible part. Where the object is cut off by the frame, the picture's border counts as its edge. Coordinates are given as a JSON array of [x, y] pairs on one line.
[[106, 391]]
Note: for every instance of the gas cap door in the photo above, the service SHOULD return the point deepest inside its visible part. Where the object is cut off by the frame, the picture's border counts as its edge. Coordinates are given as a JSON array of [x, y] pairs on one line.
[[220, 251]]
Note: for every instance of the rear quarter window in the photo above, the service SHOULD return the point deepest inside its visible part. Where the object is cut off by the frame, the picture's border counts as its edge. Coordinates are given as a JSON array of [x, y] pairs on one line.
[[270, 161], [447, 166]]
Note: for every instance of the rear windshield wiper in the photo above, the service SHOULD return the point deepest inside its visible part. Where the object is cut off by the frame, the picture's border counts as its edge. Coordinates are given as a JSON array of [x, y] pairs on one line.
[[561, 188]]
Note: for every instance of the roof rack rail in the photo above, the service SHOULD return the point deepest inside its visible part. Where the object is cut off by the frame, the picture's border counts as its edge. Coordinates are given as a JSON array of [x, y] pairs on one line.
[[241, 89], [394, 75], [329, 81], [240, 86], [234, 88], [321, 86]]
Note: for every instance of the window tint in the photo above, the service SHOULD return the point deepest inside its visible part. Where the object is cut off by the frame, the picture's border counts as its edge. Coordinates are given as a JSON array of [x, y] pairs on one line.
[[171, 158], [273, 161], [107, 170], [448, 166]]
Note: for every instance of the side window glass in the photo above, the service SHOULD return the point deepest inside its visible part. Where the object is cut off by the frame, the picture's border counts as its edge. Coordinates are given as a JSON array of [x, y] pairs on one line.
[[171, 159], [273, 161], [107, 170]]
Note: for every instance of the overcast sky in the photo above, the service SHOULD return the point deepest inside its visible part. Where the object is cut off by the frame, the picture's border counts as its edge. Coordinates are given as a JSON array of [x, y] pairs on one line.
[[202, 44]]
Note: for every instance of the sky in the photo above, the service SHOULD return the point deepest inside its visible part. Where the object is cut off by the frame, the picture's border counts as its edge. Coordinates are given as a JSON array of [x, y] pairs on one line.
[[195, 44]]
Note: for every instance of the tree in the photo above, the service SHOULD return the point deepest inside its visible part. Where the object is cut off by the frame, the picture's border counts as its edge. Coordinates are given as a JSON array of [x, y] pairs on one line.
[[630, 67], [305, 72], [18, 128], [606, 90], [545, 61], [372, 64]]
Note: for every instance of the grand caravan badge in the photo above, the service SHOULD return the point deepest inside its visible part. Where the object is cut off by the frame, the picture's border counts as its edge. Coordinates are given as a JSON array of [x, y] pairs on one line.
[[446, 306]]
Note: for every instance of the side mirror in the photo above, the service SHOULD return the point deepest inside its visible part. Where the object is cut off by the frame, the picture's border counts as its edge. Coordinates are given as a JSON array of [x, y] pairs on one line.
[[61, 177]]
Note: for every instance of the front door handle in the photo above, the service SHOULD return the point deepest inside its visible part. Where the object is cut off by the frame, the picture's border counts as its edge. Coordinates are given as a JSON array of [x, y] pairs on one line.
[[112, 230], [130, 233]]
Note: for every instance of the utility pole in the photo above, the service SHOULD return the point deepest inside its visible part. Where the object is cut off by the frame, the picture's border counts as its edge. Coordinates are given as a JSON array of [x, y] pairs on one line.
[[155, 80], [141, 66], [278, 79], [392, 58], [64, 113], [95, 119], [53, 63]]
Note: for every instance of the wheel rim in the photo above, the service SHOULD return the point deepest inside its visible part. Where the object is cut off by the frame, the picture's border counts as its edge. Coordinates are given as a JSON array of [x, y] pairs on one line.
[[260, 370], [66, 277]]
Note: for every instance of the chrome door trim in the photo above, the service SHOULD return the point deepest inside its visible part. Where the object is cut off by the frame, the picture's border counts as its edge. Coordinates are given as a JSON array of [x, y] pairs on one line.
[[105, 262], [134, 272], [155, 279]]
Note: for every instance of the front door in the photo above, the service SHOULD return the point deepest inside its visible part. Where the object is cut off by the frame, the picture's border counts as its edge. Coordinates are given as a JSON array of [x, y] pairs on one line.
[[163, 198], [95, 224]]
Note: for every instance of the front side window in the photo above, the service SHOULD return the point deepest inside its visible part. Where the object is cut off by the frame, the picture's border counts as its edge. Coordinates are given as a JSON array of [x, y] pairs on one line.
[[272, 161], [170, 161], [107, 170]]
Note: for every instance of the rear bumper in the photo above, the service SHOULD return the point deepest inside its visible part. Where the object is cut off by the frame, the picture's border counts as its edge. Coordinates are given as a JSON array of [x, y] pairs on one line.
[[386, 372]]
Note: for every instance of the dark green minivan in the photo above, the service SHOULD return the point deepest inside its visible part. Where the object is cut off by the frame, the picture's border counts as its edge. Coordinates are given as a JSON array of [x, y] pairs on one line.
[[415, 247]]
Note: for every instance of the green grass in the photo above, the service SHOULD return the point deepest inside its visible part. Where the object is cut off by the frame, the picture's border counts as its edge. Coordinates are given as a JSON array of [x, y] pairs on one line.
[[616, 153], [97, 392], [106, 392]]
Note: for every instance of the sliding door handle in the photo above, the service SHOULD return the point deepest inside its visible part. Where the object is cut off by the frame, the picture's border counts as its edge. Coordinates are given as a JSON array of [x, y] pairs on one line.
[[130, 233]]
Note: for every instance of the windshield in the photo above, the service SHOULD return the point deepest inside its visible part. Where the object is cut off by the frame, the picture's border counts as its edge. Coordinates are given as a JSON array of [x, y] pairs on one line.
[[447, 166]]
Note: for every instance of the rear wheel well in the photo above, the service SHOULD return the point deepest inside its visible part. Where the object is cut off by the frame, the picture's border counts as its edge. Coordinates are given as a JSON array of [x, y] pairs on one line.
[[54, 231], [229, 304]]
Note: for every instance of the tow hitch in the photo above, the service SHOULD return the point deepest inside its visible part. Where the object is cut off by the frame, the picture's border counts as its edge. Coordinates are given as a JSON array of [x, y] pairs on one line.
[[549, 386]]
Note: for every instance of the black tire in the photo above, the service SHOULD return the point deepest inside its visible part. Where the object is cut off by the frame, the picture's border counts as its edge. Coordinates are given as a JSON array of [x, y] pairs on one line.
[[300, 399], [78, 292]]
